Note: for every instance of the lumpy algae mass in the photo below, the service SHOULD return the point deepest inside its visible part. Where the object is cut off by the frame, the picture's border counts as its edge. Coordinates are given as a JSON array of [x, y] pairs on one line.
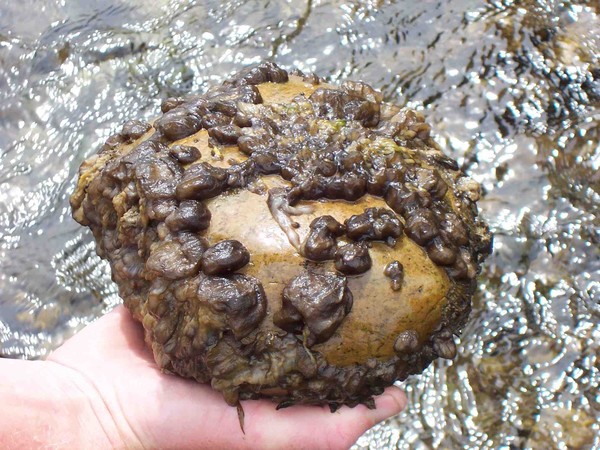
[[284, 238]]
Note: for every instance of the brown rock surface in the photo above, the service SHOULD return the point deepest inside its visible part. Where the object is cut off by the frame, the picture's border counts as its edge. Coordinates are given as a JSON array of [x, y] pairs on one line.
[[254, 167]]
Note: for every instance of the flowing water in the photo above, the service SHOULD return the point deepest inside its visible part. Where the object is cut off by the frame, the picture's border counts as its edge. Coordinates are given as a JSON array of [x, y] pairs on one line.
[[512, 89]]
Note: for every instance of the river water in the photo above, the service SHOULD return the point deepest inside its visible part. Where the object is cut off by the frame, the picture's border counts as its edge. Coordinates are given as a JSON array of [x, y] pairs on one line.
[[512, 90]]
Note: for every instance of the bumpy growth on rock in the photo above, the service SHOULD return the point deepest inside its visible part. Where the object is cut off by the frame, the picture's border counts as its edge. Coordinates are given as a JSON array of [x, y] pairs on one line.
[[284, 238]]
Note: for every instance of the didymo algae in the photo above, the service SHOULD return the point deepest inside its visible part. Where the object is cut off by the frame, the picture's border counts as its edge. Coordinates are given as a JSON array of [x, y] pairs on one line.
[[281, 237]]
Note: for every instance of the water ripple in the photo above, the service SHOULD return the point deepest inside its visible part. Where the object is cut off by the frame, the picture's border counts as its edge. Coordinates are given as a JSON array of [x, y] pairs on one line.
[[512, 90]]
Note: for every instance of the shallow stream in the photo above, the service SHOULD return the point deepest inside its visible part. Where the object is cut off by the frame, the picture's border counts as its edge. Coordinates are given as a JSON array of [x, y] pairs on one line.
[[511, 88]]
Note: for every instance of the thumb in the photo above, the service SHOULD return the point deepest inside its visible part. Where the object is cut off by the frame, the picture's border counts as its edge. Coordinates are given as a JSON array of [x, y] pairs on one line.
[[388, 404]]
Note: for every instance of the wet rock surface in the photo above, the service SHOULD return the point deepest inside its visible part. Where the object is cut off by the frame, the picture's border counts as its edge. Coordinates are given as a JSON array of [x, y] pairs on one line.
[[171, 206], [511, 90]]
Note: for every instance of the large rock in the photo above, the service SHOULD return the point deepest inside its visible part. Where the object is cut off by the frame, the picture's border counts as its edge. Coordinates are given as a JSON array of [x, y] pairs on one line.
[[281, 237]]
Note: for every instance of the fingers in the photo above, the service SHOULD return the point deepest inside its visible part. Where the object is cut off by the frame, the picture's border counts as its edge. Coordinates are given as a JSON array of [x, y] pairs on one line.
[[390, 403], [308, 427], [171, 412], [190, 415]]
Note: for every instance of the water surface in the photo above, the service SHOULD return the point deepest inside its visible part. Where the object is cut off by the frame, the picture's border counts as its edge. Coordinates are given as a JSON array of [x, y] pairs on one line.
[[512, 89]]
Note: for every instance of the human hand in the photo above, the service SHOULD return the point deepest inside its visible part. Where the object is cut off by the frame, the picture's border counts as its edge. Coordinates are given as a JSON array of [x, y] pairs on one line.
[[138, 406]]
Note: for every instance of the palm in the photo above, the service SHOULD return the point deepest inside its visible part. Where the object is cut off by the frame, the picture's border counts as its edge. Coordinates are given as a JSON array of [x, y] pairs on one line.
[[160, 410]]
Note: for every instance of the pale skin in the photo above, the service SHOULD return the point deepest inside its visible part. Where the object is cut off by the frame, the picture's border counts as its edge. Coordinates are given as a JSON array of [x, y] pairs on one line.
[[102, 389]]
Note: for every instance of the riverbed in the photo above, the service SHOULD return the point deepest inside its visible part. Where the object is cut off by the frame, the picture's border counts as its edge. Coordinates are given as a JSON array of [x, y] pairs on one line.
[[511, 89]]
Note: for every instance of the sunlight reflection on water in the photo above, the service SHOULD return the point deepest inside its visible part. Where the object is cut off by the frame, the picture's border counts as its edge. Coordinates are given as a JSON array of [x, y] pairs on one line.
[[512, 90]]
